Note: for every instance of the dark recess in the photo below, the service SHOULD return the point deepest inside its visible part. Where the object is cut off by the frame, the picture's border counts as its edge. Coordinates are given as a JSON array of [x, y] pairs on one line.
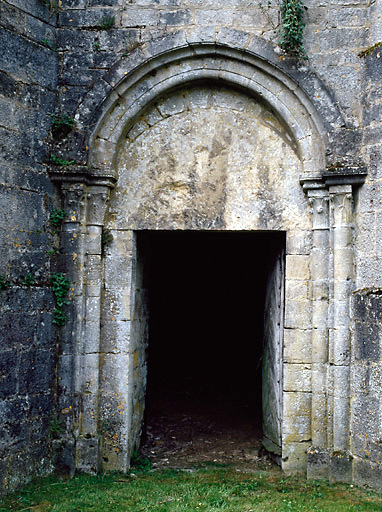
[[206, 293]]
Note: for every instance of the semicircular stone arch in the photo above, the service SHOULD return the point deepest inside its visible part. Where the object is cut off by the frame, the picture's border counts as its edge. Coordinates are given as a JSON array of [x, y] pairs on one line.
[[234, 68]]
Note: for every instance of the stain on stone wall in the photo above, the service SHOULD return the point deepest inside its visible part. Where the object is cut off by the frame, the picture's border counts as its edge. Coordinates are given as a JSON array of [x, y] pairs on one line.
[[208, 158]]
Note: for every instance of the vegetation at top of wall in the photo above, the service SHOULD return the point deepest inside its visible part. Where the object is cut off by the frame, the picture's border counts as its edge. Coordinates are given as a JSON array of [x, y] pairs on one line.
[[292, 27], [369, 50], [106, 22]]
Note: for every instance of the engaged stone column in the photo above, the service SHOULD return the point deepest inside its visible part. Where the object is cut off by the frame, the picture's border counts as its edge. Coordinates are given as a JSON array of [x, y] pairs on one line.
[[339, 355], [87, 441], [71, 264], [318, 457], [85, 193], [319, 270]]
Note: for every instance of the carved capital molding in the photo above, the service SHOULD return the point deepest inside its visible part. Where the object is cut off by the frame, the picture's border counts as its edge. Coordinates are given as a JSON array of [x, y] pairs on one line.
[[83, 174], [333, 175], [74, 197], [341, 200], [97, 197], [319, 207]]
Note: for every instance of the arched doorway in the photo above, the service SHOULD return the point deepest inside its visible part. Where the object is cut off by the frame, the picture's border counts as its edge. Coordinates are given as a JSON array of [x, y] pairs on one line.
[[206, 158], [205, 137]]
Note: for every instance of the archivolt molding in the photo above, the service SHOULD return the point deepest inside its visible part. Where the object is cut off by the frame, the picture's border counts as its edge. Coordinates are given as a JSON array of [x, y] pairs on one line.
[[230, 57]]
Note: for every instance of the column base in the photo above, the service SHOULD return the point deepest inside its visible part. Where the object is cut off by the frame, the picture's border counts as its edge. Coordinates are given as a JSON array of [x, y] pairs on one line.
[[336, 466]]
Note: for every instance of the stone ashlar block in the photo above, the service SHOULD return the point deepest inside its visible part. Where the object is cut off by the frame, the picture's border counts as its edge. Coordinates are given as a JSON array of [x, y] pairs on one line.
[[294, 457], [140, 17], [77, 69], [367, 317], [366, 378], [86, 17], [297, 267], [341, 466], [319, 377], [374, 67], [298, 314], [28, 61], [25, 94], [205, 17], [368, 272], [367, 473], [297, 346], [341, 381], [114, 375], [297, 412], [366, 240], [117, 304], [115, 277], [176, 17], [37, 371], [172, 105], [116, 337], [39, 30], [299, 243], [296, 290], [8, 376], [317, 463], [87, 454], [365, 423], [297, 377]]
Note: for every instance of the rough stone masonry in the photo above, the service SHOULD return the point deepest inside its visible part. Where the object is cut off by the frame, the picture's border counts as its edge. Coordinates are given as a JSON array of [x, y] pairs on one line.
[[187, 115]]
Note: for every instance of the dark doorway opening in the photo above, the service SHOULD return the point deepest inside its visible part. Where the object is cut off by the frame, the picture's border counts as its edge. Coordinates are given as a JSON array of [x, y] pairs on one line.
[[206, 319]]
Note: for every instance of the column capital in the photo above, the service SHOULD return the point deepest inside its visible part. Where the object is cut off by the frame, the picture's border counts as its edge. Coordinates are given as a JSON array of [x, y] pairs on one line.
[[335, 175], [319, 207], [83, 174], [74, 199], [97, 197]]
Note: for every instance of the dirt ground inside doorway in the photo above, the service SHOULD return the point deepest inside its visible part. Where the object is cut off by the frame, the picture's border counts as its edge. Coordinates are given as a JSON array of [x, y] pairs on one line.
[[193, 434]]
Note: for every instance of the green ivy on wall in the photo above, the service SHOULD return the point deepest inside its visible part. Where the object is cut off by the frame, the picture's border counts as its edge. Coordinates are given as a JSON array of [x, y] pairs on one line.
[[292, 28]]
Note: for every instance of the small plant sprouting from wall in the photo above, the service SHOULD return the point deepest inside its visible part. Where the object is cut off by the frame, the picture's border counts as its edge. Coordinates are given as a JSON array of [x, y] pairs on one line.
[[58, 160], [57, 216], [107, 22], [28, 280], [292, 28], [60, 285], [61, 126], [4, 282], [55, 428], [106, 238], [48, 44], [63, 121]]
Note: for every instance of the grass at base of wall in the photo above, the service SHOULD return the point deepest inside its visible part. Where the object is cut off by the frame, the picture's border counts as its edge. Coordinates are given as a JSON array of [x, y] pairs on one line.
[[211, 489]]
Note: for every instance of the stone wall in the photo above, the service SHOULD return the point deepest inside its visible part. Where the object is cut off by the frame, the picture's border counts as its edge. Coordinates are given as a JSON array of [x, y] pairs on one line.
[[28, 88], [73, 61]]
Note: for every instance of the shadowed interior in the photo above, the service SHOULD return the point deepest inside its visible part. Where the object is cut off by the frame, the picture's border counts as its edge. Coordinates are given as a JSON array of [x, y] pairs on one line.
[[206, 301]]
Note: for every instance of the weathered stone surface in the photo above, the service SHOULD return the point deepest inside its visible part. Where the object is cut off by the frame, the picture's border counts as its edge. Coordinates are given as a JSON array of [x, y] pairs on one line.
[[210, 126]]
